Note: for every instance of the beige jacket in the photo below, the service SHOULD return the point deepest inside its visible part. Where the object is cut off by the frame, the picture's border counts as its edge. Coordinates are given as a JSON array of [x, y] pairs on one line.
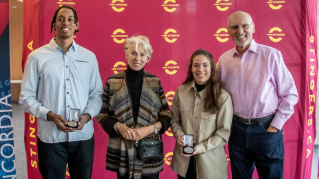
[[211, 132]]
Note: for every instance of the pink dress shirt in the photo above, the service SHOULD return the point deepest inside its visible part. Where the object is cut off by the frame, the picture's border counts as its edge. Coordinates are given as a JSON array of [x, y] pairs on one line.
[[259, 83]]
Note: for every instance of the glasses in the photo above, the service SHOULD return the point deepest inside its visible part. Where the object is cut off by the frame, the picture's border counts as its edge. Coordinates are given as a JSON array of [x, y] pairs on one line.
[[236, 27]]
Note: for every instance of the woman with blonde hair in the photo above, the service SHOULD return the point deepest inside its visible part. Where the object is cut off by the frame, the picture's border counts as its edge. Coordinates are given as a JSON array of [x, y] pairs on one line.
[[134, 109]]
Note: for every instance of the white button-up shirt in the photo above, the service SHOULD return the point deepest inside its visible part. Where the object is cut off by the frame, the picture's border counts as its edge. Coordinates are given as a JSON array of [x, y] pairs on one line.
[[57, 81]]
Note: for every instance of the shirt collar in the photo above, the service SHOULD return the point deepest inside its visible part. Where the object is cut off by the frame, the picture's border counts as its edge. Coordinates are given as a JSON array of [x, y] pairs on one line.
[[252, 47], [54, 45], [191, 86]]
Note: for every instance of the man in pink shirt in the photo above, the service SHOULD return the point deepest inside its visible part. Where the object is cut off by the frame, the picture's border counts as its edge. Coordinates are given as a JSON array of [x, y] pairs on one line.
[[263, 93]]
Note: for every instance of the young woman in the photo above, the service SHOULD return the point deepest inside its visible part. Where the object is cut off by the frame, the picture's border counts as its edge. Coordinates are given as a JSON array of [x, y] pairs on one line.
[[201, 108]]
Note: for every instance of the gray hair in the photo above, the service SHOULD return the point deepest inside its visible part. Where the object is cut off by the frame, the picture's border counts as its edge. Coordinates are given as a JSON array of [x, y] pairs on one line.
[[249, 17], [139, 40]]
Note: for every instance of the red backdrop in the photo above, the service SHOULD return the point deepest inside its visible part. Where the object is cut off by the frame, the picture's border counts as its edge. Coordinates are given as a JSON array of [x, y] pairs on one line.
[[176, 28]]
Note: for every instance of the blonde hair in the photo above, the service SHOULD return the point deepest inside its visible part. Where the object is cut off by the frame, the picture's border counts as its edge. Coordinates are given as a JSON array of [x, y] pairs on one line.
[[139, 40]]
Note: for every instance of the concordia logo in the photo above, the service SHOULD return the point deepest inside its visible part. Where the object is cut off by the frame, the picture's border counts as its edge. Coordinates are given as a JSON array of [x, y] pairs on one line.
[[222, 37], [167, 68], [168, 158], [118, 7], [273, 35], [275, 7], [170, 38], [169, 98], [61, 3], [116, 37], [170, 7], [169, 132], [118, 67], [225, 5]]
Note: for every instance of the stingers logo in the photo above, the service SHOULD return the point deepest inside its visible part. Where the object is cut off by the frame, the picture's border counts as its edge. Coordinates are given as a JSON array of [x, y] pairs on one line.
[[119, 38], [170, 7], [222, 6], [275, 37], [169, 96], [61, 3], [275, 4], [118, 7], [222, 37], [170, 35], [119, 67], [169, 132], [170, 67], [168, 158]]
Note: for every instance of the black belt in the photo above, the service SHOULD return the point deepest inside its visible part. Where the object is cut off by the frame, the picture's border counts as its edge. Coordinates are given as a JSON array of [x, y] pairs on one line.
[[254, 121]]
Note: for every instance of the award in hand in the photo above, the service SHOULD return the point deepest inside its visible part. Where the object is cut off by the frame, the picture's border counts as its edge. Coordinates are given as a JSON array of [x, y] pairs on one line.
[[74, 118], [188, 144]]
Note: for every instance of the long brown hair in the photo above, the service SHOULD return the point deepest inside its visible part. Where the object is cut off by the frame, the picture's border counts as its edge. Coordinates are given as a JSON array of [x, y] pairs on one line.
[[213, 84]]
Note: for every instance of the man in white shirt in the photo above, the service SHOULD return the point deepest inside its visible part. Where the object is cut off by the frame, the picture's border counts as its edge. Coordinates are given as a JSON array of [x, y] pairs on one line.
[[59, 77]]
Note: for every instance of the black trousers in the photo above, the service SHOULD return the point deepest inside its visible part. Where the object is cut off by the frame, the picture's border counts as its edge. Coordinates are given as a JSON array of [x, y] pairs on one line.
[[53, 158], [252, 145], [156, 176], [191, 171]]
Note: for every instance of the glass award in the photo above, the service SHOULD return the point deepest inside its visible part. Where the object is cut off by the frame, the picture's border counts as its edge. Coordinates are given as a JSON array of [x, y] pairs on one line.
[[74, 118], [188, 144]]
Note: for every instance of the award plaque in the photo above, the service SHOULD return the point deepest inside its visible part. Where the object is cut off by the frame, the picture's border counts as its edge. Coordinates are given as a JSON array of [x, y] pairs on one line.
[[74, 118], [188, 144]]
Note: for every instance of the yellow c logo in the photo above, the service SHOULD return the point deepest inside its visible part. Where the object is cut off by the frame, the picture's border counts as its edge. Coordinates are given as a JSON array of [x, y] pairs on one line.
[[168, 158], [169, 132], [219, 36], [272, 35], [166, 67], [173, 36], [115, 36], [116, 68], [115, 6], [218, 4], [166, 6], [275, 7], [169, 98]]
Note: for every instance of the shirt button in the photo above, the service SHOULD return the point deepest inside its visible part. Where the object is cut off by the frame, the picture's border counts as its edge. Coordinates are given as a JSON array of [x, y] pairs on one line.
[[197, 104], [66, 66], [67, 92], [195, 131], [67, 79], [242, 71], [68, 106], [241, 83], [195, 117]]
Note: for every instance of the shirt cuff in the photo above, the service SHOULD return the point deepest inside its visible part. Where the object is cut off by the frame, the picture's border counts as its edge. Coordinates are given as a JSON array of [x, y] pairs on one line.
[[44, 113], [178, 133], [277, 122], [200, 148], [165, 124]]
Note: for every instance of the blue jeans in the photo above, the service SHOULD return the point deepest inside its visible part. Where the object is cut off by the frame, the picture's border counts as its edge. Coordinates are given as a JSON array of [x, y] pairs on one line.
[[53, 158], [252, 145]]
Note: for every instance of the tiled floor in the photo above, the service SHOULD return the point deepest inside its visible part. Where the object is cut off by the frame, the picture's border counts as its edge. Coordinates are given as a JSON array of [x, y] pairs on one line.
[[19, 149]]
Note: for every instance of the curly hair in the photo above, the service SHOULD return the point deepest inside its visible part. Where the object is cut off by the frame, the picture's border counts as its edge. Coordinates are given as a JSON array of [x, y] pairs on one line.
[[57, 11]]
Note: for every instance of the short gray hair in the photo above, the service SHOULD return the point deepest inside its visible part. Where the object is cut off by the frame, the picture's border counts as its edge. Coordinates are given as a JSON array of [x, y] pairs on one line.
[[139, 40], [249, 17]]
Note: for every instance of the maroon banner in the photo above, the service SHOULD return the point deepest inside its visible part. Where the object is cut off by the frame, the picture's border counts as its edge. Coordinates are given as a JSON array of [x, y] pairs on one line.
[[30, 43], [176, 28]]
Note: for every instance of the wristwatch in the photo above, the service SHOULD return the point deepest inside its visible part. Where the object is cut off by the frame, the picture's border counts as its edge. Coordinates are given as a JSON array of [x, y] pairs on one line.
[[155, 129]]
